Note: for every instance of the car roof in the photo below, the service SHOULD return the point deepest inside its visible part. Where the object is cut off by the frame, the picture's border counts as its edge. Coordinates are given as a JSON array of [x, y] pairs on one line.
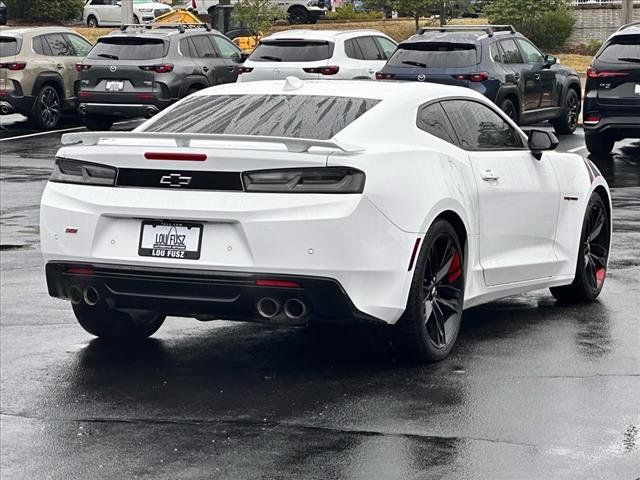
[[470, 36], [630, 29], [22, 31], [378, 90], [329, 35], [161, 32]]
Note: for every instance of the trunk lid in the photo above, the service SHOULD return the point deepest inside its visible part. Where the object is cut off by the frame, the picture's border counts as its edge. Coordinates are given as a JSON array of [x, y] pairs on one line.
[[9, 49], [618, 69]]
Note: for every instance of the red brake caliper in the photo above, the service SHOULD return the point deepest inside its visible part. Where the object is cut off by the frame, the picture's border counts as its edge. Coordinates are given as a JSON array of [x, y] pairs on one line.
[[454, 269], [600, 273]]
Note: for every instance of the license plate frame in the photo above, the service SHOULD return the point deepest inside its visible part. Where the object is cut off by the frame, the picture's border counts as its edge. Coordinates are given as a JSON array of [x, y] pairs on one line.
[[637, 89], [176, 244], [114, 86]]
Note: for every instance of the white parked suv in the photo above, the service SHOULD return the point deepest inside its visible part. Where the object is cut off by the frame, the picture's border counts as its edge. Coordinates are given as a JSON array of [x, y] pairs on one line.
[[298, 11], [109, 12], [318, 54]]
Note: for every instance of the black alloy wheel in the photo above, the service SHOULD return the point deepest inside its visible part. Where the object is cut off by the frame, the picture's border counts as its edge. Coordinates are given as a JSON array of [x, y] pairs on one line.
[[429, 327], [510, 109], [568, 122], [298, 16], [92, 22], [47, 108], [593, 255]]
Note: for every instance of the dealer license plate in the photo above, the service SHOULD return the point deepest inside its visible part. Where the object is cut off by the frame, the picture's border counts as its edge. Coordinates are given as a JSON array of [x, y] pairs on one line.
[[114, 85], [637, 88], [170, 240]]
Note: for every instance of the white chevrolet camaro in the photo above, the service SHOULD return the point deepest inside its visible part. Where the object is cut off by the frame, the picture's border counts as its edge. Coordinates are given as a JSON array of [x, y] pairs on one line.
[[289, 201]]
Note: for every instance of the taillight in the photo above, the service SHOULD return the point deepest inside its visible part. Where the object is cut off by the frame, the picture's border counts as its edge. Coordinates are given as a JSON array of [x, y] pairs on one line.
[[82, 67], [276, 283], [593, 73], [473, 77], [591, 118], [164, 68], [194, 5], [240, 70], [383, 76], [13, 65], [330, 70]]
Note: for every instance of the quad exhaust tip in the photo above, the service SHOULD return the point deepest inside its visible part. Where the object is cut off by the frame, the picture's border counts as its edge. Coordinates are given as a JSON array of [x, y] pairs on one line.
[[295, 309], [268, 307], [75, 295], [91, 296]]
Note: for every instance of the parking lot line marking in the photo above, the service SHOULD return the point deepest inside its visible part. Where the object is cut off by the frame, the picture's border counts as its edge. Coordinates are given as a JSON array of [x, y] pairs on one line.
[[577, 149], [40, 133]]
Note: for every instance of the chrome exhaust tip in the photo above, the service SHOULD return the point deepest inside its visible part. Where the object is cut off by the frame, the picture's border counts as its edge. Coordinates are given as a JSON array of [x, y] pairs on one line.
[[74, 294], [91, 296], [82, 110], [268, 307], [295, 309]]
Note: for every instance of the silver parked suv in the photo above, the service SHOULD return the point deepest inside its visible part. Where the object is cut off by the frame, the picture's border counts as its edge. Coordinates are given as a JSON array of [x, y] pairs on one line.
[[140, 70]]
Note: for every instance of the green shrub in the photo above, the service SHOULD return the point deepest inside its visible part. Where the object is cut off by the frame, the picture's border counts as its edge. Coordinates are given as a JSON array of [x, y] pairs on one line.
[[547, 23], [45, 10], [347, 13]]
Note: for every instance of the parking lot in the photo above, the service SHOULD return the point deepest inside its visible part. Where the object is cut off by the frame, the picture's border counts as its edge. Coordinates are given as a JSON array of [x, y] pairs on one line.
[[532, 390]]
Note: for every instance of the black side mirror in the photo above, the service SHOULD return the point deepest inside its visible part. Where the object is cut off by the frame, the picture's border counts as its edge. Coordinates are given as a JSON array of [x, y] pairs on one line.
[[244, 56], [549, 60], [540, 141]]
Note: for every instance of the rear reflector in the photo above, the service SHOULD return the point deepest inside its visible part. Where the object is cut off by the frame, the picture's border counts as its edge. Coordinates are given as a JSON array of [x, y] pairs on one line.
[[145, 96], [414, 253], [593, 73], [240, 70], [384, 76], [277, 283], [81, 271], [187, 157], [81, 67], [591, 118]]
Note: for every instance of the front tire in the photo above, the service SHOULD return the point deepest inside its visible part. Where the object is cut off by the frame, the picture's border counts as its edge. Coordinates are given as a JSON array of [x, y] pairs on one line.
[[593, 255], [103, 322], [508, 107], [429, 326], [98, 123], [599, 144], [92, 22], [568, 121], [47, 108], [298, 16]]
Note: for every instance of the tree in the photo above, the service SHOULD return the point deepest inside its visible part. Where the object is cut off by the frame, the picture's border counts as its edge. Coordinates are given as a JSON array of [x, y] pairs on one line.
[[409, 8], [548, 23], [45, 10], [257, 15]]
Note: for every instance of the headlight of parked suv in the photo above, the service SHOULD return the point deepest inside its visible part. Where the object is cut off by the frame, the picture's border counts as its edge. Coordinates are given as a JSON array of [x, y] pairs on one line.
[[146, 10], [75, 171], [305, 180]]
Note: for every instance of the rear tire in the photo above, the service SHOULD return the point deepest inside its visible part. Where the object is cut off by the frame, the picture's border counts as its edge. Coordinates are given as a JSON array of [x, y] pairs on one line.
[[92, 22], [508, 107], [568, 122], [136, 20], [47, 108], [429, 326], [98, 123], [599, 144], [298, 15], [106, 323], [593, 254]]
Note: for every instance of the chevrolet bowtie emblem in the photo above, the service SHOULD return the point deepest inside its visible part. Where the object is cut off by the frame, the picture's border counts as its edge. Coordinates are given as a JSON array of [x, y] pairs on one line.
[[175, 180]]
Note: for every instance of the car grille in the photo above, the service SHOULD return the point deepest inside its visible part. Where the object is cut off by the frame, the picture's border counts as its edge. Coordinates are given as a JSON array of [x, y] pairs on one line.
[[160, 11], [179, 179]]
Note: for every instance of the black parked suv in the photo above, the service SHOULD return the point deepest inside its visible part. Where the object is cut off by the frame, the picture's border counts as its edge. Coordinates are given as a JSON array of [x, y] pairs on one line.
[[498, 62], [140, 70], [612, 95]]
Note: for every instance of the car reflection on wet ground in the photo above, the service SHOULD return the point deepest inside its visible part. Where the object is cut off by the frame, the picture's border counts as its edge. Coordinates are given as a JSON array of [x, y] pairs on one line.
[[533, 389]]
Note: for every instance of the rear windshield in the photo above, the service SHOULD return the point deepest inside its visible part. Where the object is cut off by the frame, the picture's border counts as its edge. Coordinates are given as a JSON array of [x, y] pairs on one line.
[[622, 49], [128, 48], [294, 116], [435, 55], [8, 46], [292, 51]]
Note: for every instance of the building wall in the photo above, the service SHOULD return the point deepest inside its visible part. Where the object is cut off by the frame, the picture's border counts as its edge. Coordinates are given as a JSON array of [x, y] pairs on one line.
[[597, 22]]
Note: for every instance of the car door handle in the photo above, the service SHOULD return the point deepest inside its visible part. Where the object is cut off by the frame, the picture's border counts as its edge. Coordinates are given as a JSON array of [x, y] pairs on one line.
[[205, 69], [59, 66], [371, 71], [489, 176], [537, 76], [516, 76]]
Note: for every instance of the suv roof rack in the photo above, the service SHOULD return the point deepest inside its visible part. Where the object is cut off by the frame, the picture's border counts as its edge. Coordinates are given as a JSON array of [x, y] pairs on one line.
[[628, 25], [182, 27], [488, 29]]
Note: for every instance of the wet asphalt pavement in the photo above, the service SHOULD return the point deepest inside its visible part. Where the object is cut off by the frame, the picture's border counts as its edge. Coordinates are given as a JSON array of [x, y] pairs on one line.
[[533, 389]]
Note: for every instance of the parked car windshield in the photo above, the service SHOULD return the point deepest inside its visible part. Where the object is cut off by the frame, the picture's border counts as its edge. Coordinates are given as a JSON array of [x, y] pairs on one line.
[[128, 48], [8, 46], [294, 116], [292, 51], [625, 48], [434, 55]]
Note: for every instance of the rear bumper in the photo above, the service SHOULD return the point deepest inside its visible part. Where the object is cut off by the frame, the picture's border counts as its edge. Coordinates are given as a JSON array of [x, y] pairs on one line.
[[198, 293], [16, 104], [623, 126], [122, 110]]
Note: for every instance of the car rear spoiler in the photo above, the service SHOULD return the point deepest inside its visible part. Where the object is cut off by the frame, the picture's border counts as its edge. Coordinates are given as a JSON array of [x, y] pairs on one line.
[[488, 29], [296, 145]]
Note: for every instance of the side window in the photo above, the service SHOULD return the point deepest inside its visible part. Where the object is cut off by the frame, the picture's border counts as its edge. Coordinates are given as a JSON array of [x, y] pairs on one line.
[[495, 52], [40, 46], [369, 48], [80, 46], [531, 54], [204, 47], [185, 48], [226, 48], [433, 120], [58, 45], [352, 50], [386, 46], [511, 52], [480, 128]]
